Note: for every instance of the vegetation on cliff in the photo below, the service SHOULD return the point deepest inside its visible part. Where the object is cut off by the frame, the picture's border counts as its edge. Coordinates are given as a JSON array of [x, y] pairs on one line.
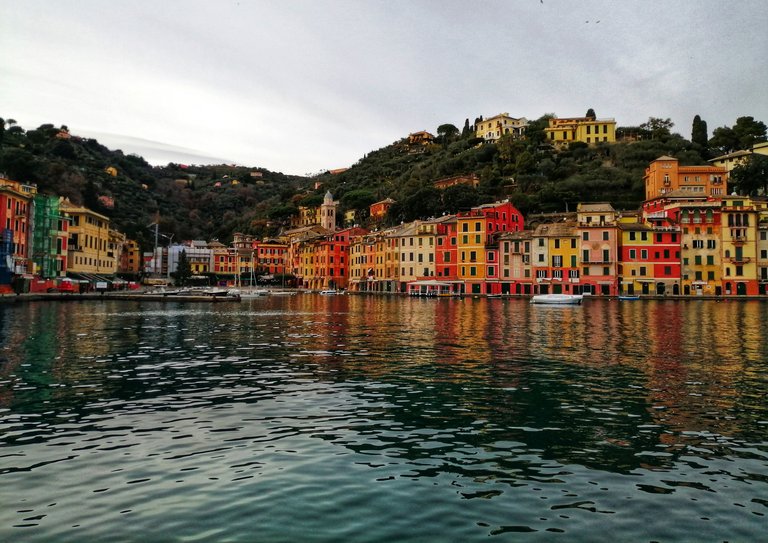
[[213, 202]]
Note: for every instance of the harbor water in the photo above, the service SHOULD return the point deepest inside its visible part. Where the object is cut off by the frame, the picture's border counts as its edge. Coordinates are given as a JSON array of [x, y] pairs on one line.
[[377, 419]]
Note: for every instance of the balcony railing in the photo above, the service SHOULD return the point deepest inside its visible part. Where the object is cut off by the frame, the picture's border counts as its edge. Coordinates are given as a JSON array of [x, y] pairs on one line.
[[739, 260]]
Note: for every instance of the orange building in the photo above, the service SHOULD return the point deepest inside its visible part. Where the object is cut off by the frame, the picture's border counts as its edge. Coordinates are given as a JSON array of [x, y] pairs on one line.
[[665, 175], [380, 209]]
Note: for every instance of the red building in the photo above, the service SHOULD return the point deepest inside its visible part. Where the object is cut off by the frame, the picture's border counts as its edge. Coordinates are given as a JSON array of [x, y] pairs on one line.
[[15, 206]]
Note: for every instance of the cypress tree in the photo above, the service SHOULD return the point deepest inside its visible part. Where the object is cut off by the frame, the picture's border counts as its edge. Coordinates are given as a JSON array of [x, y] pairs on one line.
[[699, 132]]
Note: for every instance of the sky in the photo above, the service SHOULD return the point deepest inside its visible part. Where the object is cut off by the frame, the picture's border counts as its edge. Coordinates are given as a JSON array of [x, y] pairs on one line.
[[303, 86]]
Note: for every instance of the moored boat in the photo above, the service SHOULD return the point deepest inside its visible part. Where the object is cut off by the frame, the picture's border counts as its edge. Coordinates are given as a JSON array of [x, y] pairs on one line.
[[557, 299], [627, 298]]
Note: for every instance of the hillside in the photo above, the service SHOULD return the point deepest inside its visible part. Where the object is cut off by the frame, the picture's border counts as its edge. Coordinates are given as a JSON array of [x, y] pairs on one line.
[[213, 202], [190, 202]]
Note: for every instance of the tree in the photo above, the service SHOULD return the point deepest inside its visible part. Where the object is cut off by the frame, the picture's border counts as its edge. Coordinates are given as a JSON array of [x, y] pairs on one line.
[[748, 132], [657, 128], [183, 270], [358, 199], [459, 197], [591, 114], [447, 133], [699, 133], [724, 139], [466, 131], [751, 177]]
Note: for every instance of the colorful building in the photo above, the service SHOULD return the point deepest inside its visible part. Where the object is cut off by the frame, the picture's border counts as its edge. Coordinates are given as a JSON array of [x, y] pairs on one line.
[[587, 130], [739, 235], [92, 248], [555, 260], [665, 175], [598, 248], [477, 243], [380, 209], [516, 274], [495, 127], [635, 271], [16, 204], [50, 232]]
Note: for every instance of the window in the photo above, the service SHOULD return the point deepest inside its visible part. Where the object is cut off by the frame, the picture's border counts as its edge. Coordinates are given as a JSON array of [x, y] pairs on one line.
[[557, 244], [557, 261], [632, 254], [644, 254], [642, 270], [667, 270], [585, 236], [606, 255], [605, 236]]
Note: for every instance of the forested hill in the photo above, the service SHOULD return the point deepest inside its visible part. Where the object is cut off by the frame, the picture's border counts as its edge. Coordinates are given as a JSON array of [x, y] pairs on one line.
[[213, 202], [190, 202]]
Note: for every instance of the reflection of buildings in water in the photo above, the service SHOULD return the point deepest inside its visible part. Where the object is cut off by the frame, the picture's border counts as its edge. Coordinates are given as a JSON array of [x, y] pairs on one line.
[[699, 355]]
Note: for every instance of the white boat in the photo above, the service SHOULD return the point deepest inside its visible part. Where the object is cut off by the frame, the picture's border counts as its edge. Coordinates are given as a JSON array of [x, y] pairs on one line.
[[557, 299], [328, 292], [251, 293]]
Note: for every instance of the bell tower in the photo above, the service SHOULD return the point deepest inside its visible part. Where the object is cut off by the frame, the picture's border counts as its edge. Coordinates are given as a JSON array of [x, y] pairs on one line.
[[328, 212]]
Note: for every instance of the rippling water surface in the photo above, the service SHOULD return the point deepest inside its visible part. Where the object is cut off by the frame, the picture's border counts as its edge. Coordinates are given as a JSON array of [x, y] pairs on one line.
[[346, 418]]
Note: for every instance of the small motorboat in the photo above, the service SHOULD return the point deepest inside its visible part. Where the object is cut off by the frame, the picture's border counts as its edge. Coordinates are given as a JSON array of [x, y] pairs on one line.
[[557, 299], [328, 292], [628, 297]]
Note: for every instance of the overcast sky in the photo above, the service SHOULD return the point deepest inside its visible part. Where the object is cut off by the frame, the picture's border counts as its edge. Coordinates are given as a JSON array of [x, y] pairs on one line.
[[305, 86]]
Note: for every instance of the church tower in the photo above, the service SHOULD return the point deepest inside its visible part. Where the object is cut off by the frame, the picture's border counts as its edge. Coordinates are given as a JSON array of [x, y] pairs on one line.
[[328, 212]]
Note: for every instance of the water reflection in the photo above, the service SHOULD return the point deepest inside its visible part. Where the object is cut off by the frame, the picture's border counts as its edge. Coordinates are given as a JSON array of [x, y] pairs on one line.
[[563, 411]]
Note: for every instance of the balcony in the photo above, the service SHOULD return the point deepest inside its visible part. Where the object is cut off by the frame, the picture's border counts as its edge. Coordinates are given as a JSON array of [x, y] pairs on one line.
[[739, 260]]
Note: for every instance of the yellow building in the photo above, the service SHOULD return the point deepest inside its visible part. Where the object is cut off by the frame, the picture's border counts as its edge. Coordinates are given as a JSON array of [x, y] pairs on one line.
[[554, 259], [737, 158], [493, 128], [417, 251], [739, 233], [92, 249], [362, 255], [471, 243], [701, 254], [583, 129]]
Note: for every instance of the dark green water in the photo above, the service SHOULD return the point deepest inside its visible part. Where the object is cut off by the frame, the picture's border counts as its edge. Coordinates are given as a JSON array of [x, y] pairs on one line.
[[346, 418]]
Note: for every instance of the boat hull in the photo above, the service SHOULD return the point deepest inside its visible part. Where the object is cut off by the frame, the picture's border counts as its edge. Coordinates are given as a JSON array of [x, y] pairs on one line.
[[557, 299]]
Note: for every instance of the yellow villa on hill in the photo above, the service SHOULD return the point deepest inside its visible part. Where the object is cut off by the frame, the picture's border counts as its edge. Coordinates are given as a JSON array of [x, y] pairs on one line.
[[587, 130]]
